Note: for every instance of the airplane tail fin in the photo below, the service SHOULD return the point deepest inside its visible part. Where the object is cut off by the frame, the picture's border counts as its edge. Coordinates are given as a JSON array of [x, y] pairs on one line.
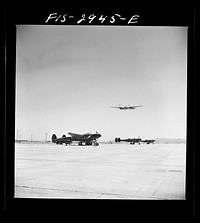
[[117, 140], [54, 138]]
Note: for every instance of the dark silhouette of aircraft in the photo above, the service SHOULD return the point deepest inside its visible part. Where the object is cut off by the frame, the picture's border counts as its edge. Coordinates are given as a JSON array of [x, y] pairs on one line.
[[132, 141], [135, 140], [87, 139], [129, 107]]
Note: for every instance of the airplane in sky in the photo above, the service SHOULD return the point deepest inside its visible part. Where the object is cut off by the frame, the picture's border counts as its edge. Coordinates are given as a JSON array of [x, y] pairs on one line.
[[87, 139], [129, 107]]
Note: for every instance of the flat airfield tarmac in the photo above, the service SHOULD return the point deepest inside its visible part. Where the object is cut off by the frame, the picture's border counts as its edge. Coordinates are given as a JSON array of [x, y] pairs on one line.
[[108, 171]]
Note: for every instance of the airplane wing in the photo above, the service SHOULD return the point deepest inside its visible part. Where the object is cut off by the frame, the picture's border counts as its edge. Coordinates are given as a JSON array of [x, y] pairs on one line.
[[115, 107], [74, 134], [79, 136], [136, 106]]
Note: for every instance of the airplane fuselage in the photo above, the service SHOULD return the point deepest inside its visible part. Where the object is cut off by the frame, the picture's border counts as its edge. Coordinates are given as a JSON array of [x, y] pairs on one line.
[[131, 140], [148, 141]]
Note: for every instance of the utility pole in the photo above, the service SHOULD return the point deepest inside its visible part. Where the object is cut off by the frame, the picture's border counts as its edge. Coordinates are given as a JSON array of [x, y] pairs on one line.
[[31, 137], [45, 137]]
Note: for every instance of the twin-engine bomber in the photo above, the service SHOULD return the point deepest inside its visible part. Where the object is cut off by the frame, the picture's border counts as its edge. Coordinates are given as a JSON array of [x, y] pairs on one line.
[[87, 138], [129, 107], [135, 140]]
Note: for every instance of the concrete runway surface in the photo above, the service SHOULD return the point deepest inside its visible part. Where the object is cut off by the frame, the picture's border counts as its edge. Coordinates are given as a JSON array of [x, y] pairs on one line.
[[108, 171]]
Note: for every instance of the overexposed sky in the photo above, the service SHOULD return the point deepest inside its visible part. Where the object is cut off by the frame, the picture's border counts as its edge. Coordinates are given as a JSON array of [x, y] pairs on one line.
[[68, 77]]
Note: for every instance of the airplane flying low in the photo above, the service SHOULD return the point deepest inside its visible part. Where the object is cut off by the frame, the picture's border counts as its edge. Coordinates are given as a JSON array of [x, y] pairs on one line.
[[129, 107], [87, 139], [135, 140]]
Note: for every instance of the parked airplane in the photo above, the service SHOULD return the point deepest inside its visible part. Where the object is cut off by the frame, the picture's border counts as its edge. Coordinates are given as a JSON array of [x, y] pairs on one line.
[[87, 138], [129, 107], [132, 141], [135, 140]]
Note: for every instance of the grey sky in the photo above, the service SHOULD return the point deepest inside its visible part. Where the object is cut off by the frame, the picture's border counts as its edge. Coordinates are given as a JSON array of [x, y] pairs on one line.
[[68, 77]]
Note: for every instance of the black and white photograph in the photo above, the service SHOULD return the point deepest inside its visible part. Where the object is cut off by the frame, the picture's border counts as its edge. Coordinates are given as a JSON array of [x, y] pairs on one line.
[[100, 112]]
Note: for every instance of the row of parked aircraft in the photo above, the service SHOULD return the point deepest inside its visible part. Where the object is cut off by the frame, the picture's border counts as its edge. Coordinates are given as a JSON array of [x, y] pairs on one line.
[[91, 139]]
